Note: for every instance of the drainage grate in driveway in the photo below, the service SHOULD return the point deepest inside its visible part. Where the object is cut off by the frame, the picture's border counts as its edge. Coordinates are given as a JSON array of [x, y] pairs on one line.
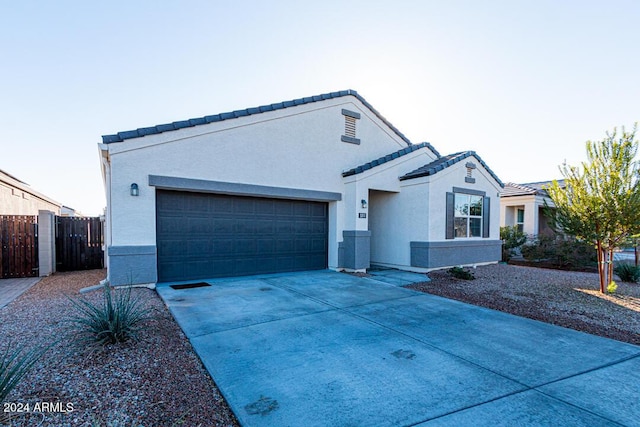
[[190, 285]]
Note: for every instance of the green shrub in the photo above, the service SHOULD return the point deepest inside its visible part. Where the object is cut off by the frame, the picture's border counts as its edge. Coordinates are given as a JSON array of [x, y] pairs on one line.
[[461, 273], [15, 363], [512, 238], [564, 252], [628, 272], [118, 319]]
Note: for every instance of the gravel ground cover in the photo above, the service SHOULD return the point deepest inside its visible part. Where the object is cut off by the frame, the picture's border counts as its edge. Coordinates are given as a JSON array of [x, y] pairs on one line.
[[157, 381], [569, 299]]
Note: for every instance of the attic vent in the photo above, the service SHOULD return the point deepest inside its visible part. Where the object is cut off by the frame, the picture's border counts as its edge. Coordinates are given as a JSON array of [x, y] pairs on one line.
[[469, 178], [350, 118]]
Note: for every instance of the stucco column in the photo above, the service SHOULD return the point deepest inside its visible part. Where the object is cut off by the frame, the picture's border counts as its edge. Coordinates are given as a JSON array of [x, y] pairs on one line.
[[46, 243], [355, 248], [531, 219]]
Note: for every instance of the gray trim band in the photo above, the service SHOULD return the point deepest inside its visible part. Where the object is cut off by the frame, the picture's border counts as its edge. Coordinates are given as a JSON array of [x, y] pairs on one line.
[[350, 140], [356, 233], [350, 113], [233, 188], [132, 265], [470, 165], [454, 252], [469, 180], [131, 250], [469, 191], [356, 249]]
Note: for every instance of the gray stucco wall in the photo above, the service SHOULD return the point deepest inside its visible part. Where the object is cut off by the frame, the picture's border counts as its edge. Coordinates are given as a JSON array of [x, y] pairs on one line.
[[129, 265], [355, 249], [454, 252]]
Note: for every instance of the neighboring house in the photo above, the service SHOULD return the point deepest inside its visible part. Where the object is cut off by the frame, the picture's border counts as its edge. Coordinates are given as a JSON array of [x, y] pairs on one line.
[[522, 205], [312, 183], [67, 211], [18, 198]]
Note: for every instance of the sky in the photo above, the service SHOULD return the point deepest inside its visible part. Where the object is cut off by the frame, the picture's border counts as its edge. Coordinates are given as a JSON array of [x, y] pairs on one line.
[[523, 83]]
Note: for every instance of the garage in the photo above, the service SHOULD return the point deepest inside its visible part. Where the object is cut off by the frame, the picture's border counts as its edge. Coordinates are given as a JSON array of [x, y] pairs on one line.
[[203, 235]]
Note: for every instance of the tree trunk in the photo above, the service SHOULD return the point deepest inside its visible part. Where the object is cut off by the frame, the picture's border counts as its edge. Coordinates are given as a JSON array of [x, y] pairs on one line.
[[635, 251], [601, 265], [610, 266]]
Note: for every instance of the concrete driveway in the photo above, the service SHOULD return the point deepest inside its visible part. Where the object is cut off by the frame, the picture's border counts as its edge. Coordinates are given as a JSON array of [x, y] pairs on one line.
[[330, 349]]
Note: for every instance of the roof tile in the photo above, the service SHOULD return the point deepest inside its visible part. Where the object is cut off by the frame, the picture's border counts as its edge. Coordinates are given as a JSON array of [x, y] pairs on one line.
[[387, 158], [122, 136], [444, 162]]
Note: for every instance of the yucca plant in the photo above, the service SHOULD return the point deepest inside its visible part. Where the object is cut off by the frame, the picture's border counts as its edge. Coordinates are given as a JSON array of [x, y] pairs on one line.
[[15, 363], [118, 318]]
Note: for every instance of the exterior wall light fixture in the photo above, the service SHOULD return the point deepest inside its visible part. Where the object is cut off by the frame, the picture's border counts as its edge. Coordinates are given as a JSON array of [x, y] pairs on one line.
[[364, 203], [134, 190]]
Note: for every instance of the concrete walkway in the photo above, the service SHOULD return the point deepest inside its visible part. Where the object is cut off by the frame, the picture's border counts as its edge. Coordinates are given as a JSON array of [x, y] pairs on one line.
[[330, 349], [11, 289]]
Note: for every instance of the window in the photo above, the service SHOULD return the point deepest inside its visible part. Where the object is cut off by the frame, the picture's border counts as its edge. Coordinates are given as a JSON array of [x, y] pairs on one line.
[[520, 219], [467, 216]]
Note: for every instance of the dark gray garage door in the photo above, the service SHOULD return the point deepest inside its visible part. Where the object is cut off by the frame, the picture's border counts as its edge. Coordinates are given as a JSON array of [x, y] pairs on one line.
[[210, 235]]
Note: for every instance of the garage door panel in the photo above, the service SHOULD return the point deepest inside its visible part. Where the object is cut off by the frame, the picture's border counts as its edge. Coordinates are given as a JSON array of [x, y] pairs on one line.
[[284, 208], [222, 246], [284, 227], [172, 247], [318, 245], [197, 247], [197, 203], [207, 235], [302, 210], [222, 206], [224, 226], [284, 246], [264, 227]]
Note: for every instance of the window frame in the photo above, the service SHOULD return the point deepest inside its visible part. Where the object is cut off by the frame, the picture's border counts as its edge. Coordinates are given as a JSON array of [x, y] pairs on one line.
[[519, 224], [485, 230], [473, 201]]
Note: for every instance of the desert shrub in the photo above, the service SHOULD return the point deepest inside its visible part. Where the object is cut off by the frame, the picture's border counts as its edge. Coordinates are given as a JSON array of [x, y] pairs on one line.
[[118, 318], [15, 363], [561, 251], [628, 272], [461, 273], [612, 287], [512, 238]]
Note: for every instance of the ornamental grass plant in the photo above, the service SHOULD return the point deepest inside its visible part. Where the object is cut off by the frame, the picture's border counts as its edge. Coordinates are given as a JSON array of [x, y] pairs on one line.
[[117, 318]]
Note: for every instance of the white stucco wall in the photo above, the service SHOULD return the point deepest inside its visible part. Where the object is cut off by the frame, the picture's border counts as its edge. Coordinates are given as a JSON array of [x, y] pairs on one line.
[[297, 147], [397, 211], [20, 199], [531, 204], [454, 176]]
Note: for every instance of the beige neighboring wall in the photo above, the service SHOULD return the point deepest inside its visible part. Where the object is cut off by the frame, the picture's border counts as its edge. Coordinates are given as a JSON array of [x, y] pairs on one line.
[[18, 198]]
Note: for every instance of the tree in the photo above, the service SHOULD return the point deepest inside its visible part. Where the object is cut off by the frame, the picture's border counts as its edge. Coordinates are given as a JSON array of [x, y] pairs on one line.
[[600, 201], [511, 238]]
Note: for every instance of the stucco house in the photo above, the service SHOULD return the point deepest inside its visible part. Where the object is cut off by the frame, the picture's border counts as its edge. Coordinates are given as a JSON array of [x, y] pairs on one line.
[[18, 198], [313, 183], [522, 205]]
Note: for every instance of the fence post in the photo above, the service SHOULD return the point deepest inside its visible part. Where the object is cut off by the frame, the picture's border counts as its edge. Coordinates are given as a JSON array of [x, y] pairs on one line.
[[46, 242]]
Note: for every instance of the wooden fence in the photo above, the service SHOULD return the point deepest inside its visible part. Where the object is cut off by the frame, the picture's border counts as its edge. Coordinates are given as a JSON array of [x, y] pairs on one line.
[[79, 243], [18, 246]]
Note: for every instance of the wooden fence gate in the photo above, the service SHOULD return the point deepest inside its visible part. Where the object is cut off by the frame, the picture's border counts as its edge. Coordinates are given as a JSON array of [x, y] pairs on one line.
[[18, 246], [79, 243]]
